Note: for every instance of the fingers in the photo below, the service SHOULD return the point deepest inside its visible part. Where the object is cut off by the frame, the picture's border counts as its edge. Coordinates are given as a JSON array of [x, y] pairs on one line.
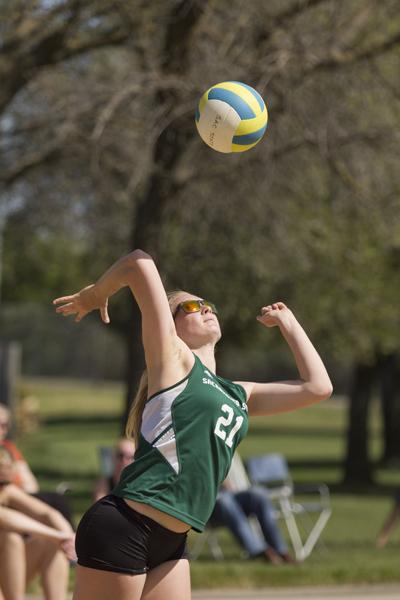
[[274, 306], [66, 309], [73, 305], [63, 299], [68, 547], [280, 305], [269, 314], [104, 314]]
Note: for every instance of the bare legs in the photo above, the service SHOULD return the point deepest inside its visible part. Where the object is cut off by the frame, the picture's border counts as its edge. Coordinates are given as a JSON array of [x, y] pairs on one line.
[[12, 566], [105, 585], [169, 580], [20, 561], [46, 558]]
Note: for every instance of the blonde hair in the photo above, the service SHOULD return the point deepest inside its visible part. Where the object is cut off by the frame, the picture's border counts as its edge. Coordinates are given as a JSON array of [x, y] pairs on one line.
[[134, 422]]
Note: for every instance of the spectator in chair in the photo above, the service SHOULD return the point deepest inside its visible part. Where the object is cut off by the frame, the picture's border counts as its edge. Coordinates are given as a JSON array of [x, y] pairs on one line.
[[22, 475], [35, 539], [233, 509], [123, 453]]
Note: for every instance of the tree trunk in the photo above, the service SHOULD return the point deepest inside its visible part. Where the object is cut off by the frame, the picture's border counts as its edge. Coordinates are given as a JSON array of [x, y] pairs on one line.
[[161, 186], [390, 402], [358, 469]]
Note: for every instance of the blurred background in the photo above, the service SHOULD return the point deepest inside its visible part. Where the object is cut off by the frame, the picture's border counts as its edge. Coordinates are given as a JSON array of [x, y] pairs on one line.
[[99, 154]]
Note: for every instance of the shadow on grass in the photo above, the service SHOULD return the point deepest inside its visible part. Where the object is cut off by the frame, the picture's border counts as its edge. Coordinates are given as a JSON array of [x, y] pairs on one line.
[[88, 419], [55, 474], [306, 432]]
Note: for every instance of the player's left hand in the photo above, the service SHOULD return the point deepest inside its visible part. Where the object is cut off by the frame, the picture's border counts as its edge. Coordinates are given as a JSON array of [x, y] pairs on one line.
[[274, 314]]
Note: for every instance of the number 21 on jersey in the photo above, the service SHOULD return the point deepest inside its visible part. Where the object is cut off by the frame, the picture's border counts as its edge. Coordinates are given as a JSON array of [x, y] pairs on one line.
[[223, 428]]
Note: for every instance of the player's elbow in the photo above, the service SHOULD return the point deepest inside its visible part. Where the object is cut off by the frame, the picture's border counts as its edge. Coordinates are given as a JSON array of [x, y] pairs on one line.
[[138, 254], [134, 262], [321, 390]]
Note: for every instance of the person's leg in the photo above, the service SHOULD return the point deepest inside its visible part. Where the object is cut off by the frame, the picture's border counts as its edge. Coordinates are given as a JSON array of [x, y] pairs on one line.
[[45, 558], [255, 501], [229, 513], [93, 584], [12, 566], [169, 580], [388, 526]]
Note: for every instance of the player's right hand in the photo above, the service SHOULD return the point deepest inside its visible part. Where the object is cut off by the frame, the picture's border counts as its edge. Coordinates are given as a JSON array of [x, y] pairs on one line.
[[82, 303]]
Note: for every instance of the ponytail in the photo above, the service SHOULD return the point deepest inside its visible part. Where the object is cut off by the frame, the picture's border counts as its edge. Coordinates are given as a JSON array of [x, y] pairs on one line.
[[134, 422]]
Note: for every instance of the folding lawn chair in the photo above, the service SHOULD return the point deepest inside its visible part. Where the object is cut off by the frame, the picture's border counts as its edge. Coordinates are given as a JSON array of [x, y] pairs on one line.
[[272, 471], [238, 480]]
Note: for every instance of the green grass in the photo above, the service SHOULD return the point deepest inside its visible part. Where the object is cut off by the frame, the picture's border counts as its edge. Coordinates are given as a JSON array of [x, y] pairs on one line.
[[77, 417]]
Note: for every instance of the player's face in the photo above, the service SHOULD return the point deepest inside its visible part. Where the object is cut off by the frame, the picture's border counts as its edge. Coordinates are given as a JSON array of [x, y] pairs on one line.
[[196, 322]]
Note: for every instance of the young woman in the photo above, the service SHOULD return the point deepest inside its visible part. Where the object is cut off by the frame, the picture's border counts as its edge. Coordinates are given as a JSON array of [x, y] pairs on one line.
[[186, 422], [22, 474], [34, 540]]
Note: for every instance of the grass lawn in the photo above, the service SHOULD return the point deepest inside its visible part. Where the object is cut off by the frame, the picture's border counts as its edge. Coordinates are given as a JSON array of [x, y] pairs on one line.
[[77, 417]]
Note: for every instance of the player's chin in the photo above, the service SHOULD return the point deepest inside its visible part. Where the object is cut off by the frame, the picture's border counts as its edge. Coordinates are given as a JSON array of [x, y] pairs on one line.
[[217, 334]]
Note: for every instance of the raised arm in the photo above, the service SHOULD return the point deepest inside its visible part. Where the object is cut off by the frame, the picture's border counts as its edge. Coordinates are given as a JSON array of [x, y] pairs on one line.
[[167, 357], [313, 384]]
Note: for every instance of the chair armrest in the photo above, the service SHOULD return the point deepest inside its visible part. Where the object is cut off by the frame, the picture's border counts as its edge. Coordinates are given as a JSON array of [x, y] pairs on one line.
[[314, 488], [310, 488]]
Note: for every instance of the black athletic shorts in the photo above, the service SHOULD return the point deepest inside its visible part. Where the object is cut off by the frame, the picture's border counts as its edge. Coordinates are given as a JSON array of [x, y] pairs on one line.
[[113, 537]]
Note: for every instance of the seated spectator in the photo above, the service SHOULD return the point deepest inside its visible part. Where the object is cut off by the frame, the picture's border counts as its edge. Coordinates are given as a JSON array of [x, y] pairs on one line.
[[232, 510], [23, 476], [390, 522], [123, 453], [35, 540]]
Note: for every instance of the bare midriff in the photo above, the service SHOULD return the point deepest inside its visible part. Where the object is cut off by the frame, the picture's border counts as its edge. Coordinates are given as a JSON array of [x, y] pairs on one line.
[[157, 515]]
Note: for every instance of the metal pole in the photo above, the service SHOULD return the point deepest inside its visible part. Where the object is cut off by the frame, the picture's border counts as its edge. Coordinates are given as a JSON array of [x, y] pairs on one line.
[[2, 226]]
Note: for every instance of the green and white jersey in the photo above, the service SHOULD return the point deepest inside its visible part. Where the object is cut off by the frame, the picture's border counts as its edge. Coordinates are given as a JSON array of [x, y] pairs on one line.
[[189, 434]]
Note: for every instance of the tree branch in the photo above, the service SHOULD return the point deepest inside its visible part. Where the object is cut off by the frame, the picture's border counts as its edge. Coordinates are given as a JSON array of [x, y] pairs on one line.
[[346, 58]]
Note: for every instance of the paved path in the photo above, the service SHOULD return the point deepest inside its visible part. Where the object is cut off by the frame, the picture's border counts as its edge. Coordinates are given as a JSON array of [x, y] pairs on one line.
[[359, 592]]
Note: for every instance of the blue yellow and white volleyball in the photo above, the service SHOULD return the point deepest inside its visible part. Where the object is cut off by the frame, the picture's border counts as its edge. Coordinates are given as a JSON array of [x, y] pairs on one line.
[[231, 117]]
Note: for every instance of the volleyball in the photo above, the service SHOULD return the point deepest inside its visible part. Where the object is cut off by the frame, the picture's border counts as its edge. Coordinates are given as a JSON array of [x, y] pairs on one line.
[[231, 117]]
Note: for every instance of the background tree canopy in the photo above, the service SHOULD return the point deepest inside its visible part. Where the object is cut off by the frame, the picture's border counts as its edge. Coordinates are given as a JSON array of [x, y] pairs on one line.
[[99, 153]]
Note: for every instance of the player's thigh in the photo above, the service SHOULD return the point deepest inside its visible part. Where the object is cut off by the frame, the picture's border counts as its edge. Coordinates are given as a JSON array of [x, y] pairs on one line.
[[169, 580], [93, 584]]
